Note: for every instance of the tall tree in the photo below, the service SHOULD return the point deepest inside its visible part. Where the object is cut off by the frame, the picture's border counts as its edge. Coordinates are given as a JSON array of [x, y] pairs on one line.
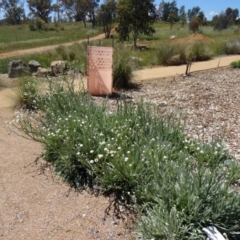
[[57, 8], [106, 16], [225, 19], [124, 19], [195, 12], [137, 17], [159, 11], [182, 16], [170, 11], [93, 4], [166, 11], [40, 8], [14, 11], [232, 15], [81, 10], [174, 9]]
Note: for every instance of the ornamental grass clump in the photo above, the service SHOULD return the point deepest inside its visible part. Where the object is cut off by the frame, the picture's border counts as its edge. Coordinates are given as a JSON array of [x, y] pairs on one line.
[[170, 55], [123, 67], [177, 184], [198, 52], [232, 47]]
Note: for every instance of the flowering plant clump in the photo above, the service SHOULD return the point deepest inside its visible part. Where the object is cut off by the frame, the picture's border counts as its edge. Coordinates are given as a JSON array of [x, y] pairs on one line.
[[27, 93], [179, 185]]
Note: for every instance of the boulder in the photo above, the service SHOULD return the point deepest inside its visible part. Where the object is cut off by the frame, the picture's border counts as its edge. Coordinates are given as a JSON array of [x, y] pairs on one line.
[[17, 68], [34, 65], [42, 72], [58, 67]]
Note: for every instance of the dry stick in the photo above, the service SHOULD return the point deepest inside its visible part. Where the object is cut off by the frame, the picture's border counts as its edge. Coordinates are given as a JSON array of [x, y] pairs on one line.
[[190, 64], [219, 62], [186, 73]]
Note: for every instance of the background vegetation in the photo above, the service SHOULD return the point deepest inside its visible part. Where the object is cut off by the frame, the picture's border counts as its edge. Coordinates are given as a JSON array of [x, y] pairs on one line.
[[15, 37]]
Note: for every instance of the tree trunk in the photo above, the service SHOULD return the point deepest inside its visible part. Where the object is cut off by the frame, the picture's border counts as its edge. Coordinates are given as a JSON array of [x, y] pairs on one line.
[[135, 35], [93, 20]]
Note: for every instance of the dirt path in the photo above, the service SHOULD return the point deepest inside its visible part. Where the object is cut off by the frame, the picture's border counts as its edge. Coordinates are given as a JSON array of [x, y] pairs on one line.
[[44, 49], [159, 72]]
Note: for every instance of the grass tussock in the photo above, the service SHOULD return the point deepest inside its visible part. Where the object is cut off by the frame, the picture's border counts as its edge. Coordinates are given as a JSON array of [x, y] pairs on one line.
[[198, 52], [232, 47], [177, 184], [123, 67], [171, 55]]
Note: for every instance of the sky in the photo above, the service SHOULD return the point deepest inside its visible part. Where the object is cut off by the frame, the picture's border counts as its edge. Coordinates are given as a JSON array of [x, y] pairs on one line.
[[209, 7]]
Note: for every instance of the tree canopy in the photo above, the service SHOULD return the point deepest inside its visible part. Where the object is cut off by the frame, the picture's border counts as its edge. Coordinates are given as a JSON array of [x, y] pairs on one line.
[[81, 10], [106, 16], [225, 19], [135, 17], [14, 11], [40, 8]]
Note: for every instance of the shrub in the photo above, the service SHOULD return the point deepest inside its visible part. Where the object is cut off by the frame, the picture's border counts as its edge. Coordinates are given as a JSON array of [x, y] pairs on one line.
[[31, 26], [198, 52], [62, 51], [179, 185], [235, 64], [39, 23], [194, 25], [72, 56]]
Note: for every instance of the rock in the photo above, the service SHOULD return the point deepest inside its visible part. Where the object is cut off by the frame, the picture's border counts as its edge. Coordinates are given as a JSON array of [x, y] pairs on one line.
[[18, 68], [58, 67], [34, 65], [42, 72]]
